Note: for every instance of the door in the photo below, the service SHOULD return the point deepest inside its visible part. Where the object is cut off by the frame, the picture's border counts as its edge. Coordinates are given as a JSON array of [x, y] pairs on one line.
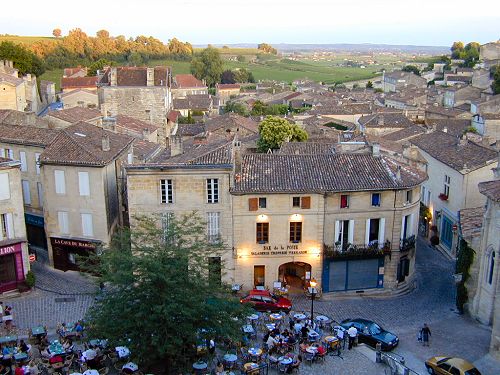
[[259, 273], [8, 274], [362, 274], [447, 232]]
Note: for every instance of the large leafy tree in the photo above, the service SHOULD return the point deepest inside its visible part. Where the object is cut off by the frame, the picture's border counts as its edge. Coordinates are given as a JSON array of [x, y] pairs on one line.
[[161, 295], [274, 131], [25, 61], [208, 65], [412, 69]]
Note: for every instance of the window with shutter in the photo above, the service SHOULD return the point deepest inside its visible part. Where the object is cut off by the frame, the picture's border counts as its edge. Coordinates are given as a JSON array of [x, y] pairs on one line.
[[84, 183], [212, 190], [344, 201], [296, 232], [376, 199], [62, 218], [306, 202], [262, 203], [37, 163], [60, 182], [87, 226], [40, 194], [4, 186], [24, 165], [213, 226], [26, 192], [166, 226], [253, 204], [296, 202], [262, 233]]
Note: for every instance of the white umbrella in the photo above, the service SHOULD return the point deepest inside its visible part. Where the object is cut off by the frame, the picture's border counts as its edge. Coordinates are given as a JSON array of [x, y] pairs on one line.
[[91, 372], [122, 351], [76, 373], [89, 354], [130, 366]]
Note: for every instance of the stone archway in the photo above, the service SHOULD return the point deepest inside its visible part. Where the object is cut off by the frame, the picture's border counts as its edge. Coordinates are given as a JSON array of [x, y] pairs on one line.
[[294, 274]]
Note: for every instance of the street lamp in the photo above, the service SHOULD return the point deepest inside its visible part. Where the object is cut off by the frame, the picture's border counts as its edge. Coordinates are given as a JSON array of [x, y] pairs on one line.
[[312, 290]]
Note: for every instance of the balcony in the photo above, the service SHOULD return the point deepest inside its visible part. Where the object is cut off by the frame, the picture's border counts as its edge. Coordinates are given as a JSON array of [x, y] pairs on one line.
[[351, 251], [406, 244]]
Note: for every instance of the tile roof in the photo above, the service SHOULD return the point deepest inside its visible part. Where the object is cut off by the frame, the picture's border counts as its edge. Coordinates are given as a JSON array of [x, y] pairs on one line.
[[137, 76], [403, 134], [385, 120], [81, 144], [182, 81], [449, 112], [68, 72], [448, 149], [228, 86], [201, 102], [134, 124], [78, 82], [27, 135], [307, 148], [491, 189], [231, 120], [276, 173], [145, 150], [471, 221], [452, 126], [76, 114], [457, 78], [77, 91], [10, 79], [173, 115], [190, 130]]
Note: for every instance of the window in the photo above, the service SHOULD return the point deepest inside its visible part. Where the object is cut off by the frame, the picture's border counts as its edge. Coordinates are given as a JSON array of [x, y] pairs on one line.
[[295, 232], [296, 202], [409, 196], [60, 182], [37, 163], [344, 201], [376, 199], [262, 202], [6, 226], [447, 181], [62, 218], [406, 226], [83, 183], [26, 192], [373, 234], [24, 165], [40, 194], [491, 268], [7, 153], [212, 190], [213, 226], [302, 202], [167, 194], [344, 233], [4, 186], [166, 226], [87, 227], [262, 232]]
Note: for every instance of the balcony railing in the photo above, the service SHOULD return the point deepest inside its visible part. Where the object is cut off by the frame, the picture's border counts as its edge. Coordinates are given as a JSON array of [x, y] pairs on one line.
[[406, 244], [350, 251]]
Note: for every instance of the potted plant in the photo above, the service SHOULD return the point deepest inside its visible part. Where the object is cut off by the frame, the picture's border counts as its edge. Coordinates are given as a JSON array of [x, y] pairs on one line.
[[443, 197]]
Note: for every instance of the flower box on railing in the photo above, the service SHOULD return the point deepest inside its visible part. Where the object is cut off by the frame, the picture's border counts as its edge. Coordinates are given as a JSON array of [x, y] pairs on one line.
[[407, 244], [443, 197], [356, 251]]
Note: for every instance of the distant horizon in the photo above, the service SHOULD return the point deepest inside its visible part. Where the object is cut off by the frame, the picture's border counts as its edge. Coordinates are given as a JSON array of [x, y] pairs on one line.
[[392, 22]]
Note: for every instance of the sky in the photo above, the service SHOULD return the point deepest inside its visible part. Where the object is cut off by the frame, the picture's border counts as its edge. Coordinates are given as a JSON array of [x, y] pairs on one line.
[[418, 22]]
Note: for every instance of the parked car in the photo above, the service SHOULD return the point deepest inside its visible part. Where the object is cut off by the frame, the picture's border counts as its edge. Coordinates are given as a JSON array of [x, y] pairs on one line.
[[263, 300], [450, 366], [371, 333]]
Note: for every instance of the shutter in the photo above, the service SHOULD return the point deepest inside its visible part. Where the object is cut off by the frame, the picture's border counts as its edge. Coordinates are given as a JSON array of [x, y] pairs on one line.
[[26, 191], [83, 183], [4, 186], [367, 232], [37, 163], [40, 194], [216, 223], [62, 217], [305, 202], [411, 231], [253, 204], [10, 225], [2, 218], [337, 229], [351, 232], [60, 183], [24, 165], [87, 228], [402, 226], [2, 152], [381, 232]]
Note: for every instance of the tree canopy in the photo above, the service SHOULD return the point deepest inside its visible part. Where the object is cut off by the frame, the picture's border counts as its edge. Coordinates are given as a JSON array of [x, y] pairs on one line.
[[208, 65], [274, 131], [163, 294], [411, 69], [24, 60], [267, 48], [469, 53], [495, 86]]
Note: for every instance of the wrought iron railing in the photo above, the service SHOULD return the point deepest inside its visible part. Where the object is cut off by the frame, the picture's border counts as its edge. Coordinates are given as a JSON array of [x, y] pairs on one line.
[[406, 244], [372, 250]]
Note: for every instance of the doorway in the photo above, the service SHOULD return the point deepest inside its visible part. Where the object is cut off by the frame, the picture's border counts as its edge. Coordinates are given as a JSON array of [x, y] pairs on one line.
[[294, 274], [259, 275]]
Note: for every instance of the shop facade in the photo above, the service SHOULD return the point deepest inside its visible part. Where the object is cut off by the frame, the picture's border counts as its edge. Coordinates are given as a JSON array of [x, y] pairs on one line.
[[66, 252], [12, 271]]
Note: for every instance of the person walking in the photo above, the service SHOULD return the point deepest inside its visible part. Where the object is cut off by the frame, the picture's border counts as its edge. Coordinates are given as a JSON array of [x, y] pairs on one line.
[[426, 333], [341, 337], [352, 332]]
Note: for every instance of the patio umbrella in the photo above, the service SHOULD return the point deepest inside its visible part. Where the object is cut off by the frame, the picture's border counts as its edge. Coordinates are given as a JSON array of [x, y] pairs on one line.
[[89, 354], [130, 366], [91, 372], [122, 351]]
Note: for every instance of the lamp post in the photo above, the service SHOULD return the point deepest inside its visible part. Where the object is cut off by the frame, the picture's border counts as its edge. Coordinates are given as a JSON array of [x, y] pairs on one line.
[[312, 290]]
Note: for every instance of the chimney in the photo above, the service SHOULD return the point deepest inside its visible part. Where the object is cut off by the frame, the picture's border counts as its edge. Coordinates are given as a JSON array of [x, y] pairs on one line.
[[381, 119], [145, 133], [398, 173], [105, 142], [176, 145], [113, 79], [463, 140], [237, 156], [109, 123], [150, 76], [376, 150]]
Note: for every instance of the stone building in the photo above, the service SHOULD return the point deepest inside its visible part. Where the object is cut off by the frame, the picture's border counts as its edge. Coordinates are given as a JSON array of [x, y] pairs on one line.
[[80, 98], [18, 93], [290, 217], [224, 91], [187, 84], [70, 116], [14, 262], [398, 80], [83, 178]]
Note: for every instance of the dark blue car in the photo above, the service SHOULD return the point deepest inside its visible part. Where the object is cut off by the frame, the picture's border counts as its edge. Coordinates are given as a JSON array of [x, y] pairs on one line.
[[371, 333]]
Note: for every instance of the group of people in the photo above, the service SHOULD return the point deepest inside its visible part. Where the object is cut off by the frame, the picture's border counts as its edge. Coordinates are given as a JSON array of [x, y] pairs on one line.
[[7, 353], [6, 316]]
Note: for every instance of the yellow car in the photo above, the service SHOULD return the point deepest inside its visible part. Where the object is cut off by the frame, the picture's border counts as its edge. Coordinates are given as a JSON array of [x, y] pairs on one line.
[[450, 366]]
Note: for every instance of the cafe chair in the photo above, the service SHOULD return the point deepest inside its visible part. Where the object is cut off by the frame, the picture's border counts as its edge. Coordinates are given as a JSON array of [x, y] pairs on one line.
[[309, 357], [103, 371]]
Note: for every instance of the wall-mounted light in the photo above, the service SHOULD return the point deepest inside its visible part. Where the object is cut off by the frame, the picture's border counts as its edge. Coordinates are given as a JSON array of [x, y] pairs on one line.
[[262, 218], [296, 217]]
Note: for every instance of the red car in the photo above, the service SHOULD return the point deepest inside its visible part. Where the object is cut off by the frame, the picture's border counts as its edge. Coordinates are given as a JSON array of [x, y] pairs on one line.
[[263, 300]]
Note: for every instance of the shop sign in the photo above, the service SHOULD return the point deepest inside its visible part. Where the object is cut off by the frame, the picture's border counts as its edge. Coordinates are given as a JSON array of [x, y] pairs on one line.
[[10, 249], [34, 220], [73, 243], [270, 250]]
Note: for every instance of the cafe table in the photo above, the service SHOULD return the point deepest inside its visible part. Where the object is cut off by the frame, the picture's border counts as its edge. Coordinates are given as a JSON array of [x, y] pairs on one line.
[[250, 366], [276, 316], [253, 317], [6, 339], [285, 360], [98, 343], [299, 316], [248, 329], [130, 366], [270, 326], [20, 357], [91, 372], [38, 331], [322, 318], [56, 348], [312, 349], [122, 351]]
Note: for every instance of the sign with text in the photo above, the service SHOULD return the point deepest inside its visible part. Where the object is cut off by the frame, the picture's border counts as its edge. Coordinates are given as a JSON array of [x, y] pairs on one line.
[[10, 249], [274, 250], [73, 243]]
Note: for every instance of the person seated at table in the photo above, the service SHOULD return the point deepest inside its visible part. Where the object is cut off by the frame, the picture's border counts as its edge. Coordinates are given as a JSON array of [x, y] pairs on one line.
[[321, 350], [78, 328], [297, 360], [19, 369], [219, 369], [23, 347], [68, 345], [44, 343], [304, 331], [271, 342], [303, 346]]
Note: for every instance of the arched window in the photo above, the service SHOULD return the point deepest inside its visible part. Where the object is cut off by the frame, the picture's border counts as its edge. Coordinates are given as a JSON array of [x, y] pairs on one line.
[[491, 267]]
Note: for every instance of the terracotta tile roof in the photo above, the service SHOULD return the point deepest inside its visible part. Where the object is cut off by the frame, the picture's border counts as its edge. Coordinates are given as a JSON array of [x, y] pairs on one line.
[[10, 79], [449, 112], [68, 72], [76, 114], [275, 173], [403, 134], [385, 120], [182, 81], [27, 135], [173, 115], [306, 148], [471, 221], [491, 189], [457, 78], [76, 91], [190, 130], [491, 116], [134, 124], [81, 144], [201, 102], [447, 149], [230, 121], [131, 76], [452, 126], [228, 86], [162, 76], [145, 150], [78, 82]]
